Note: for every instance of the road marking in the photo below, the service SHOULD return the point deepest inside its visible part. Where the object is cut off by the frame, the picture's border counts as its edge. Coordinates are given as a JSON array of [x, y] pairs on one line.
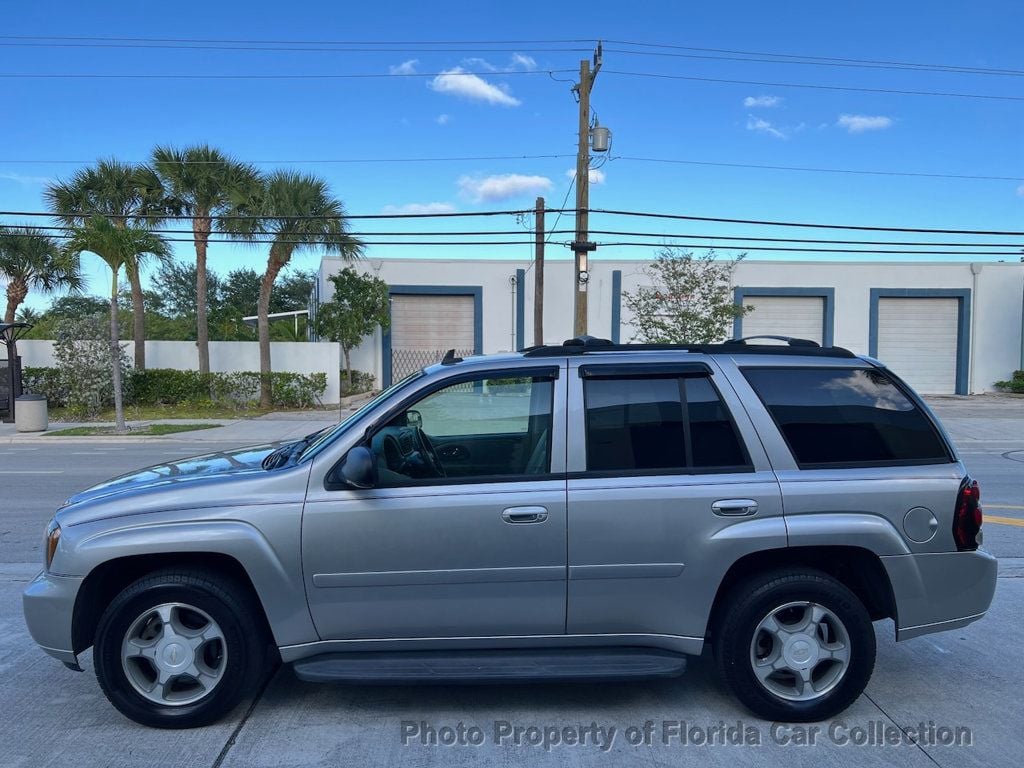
[[1002, 506], [1004, 520]]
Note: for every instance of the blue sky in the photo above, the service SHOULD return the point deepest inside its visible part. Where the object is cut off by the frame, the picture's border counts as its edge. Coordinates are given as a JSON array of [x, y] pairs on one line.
[[508, 112]]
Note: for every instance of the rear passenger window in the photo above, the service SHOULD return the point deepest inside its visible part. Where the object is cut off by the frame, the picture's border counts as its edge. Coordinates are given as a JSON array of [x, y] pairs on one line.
[[659, 424], [835, 417]]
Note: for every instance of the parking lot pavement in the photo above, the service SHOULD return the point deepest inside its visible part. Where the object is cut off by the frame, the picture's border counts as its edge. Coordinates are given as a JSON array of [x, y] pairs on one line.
[[970, 678]]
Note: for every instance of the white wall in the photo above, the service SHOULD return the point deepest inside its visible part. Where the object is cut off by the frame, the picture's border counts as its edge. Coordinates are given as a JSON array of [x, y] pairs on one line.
[[225, 357], [995, 306]]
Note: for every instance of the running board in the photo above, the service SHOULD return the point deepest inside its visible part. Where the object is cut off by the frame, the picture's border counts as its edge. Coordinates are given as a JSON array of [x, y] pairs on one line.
[[513, 666]]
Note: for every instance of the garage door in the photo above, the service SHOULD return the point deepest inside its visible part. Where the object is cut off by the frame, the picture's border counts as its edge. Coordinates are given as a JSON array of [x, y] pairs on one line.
[[423, 328], [917, 338], [802, 317]]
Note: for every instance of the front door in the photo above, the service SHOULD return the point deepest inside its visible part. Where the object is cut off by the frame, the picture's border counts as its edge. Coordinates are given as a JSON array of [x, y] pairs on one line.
[[464, 534]]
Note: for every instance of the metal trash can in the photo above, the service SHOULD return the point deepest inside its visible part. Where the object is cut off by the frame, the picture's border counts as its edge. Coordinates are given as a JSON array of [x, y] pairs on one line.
[[30, 414]]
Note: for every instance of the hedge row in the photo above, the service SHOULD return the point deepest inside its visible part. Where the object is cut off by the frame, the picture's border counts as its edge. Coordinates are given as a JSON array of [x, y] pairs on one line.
[[168, 386]]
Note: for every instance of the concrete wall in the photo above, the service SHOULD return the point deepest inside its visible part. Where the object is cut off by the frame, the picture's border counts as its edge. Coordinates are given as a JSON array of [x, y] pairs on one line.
[[996, 305], [225, 357]]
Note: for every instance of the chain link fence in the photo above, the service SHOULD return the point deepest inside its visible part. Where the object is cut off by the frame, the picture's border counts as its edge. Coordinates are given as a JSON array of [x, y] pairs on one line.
[[406, 361]]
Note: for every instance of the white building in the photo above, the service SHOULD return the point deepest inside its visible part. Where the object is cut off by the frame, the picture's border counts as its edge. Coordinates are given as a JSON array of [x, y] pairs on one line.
[[946, 327]]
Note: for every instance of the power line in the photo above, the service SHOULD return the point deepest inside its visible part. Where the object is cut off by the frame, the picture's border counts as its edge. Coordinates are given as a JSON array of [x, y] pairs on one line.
[[554, 156], [603, 244], [245, 217], [298, 42], [304, 76], [282, 48], [764, 84], [520, 211], [619, 233], [760, 59], [811, 169], [821, 58], [350, 160], [768, 223]]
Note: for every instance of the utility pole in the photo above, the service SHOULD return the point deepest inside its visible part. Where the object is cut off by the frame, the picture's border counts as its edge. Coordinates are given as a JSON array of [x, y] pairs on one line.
[[581, 246], [538, 274]]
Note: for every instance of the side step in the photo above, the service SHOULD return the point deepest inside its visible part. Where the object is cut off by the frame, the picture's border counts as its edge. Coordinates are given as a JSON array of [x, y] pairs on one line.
[[492, 666]]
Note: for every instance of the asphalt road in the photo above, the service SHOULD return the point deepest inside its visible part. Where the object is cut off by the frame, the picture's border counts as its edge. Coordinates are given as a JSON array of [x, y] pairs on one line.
[[969, 678]]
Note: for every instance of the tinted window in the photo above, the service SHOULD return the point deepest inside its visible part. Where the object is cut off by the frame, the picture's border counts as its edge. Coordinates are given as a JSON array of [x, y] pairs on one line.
[[638, 424], [842, 416], [485, 428]]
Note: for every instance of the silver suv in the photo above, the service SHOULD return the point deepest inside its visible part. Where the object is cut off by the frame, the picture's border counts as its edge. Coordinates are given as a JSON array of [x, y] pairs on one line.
[[583, 511]]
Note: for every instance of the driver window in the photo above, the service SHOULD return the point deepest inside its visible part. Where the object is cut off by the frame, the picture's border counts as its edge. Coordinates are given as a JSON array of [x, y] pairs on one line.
[[484, 428]]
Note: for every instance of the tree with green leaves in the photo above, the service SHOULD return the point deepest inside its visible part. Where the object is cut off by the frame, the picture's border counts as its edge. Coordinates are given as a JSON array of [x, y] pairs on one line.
[[124, 192], [688, 301], [29, 259], [298, 212], [358, 306], [118, 247], [204, 183]]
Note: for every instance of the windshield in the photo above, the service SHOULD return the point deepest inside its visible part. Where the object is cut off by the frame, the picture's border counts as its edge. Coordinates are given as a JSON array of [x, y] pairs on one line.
[[330, 435]]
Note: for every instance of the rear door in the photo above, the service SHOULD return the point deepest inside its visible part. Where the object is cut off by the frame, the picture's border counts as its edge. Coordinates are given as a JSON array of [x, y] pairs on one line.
[[668, 486]]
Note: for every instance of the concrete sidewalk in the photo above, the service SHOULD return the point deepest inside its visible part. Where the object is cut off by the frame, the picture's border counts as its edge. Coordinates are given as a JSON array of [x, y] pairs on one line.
[[271, 428]]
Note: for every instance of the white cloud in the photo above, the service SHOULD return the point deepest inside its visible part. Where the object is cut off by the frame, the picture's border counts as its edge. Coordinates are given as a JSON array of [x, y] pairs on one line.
[[524, 61], [28, 181], [1020, 190], [501, 187], [597, 176], [420, 208], [861, 123], [762, 101], [405, 68], [443, 119], [456, 82], [763, 126]]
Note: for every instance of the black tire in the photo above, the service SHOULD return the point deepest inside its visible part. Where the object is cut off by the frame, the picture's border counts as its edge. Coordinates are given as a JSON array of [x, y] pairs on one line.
[[231, 605], [751, 601]]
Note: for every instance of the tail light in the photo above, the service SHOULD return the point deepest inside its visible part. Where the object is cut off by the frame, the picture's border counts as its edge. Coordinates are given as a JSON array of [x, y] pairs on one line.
[[967, 518]]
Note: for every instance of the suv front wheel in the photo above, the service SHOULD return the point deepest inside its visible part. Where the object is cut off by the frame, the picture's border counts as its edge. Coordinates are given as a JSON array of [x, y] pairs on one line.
[[795, 645], [179, 649]]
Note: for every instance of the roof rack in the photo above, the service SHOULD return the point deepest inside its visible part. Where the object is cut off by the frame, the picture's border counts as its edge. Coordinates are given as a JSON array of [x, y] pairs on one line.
[[582, 345]]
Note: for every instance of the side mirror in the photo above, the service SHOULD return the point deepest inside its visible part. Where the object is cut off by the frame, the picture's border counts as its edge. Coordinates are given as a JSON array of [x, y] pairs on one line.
[[358, 469], [414, 419]]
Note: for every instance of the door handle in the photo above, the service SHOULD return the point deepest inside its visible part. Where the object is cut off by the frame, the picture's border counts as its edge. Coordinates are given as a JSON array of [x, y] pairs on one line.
[[525, 515], [734, 507]]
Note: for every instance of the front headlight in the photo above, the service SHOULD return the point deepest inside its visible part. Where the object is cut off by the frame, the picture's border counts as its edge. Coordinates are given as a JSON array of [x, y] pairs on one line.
[[52, 539]]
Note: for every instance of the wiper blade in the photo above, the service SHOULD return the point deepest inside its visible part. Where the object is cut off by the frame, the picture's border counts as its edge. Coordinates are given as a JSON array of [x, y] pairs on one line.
[[281, 456]]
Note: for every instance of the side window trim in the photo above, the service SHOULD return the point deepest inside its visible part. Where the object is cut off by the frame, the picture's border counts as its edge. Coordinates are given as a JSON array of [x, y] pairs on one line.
[[680, 372]]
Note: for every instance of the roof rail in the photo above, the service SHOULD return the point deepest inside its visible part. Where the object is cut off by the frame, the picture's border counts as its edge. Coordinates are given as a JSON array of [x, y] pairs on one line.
[[790, 340], [583, 345]]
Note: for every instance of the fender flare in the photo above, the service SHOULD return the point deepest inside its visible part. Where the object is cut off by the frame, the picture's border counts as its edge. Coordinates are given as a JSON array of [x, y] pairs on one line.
[[278, 587]]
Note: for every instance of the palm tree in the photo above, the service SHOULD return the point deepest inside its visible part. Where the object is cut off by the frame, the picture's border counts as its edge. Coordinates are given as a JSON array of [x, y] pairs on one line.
[[30, 259], [204, 182], [122, 192], [118, 246], [299, 212]]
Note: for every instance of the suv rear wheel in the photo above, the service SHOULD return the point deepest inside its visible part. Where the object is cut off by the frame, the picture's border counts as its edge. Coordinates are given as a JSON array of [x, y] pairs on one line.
[[795, 645], [179, 649]]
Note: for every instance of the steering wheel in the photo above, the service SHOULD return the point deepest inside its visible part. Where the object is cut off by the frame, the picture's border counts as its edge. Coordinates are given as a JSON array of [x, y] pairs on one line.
[[427, 449]]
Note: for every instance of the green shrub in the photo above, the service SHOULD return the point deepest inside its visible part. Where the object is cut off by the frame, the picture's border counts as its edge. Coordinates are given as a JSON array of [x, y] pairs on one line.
[[1015, 384], [361, 382], [167, 386]]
